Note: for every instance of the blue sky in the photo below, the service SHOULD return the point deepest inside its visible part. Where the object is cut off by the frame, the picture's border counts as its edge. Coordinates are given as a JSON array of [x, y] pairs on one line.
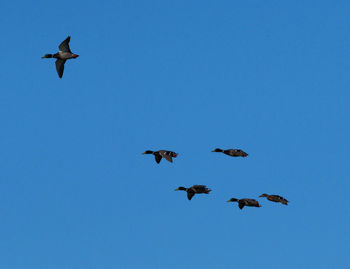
[[270, 77]]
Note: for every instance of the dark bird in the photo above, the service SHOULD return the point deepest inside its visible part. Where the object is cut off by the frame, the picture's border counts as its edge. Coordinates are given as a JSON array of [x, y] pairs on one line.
[[62, 55], [191, 191], [232, 152], [245, 202], [166, 154], [275, 198]]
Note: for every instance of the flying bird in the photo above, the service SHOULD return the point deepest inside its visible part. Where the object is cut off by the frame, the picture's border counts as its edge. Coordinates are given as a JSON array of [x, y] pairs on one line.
[[232, 152], [195, 189], [62, 55], [245, 202], [166, 154], [275, 198]]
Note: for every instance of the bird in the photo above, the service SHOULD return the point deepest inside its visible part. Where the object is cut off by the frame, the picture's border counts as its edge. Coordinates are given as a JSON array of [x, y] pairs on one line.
[[245, 202], [166, 154], [275, 198], [232, 152], [191, 191], [62, 55]]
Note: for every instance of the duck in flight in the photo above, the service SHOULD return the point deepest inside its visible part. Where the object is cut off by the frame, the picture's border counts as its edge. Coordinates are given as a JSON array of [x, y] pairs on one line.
[[166, 154], [191, 191], [62, 56], [275, 198], [232, 152], [245, 202]]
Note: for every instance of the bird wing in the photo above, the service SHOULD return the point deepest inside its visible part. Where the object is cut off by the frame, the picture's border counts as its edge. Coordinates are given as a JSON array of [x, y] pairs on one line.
[[64, 46], [241, 204], [252, 202], [60, 67], [277, 198], [199, 188], [190, 194], [166, 156], [230, 152], [158, 157], [284, 200]]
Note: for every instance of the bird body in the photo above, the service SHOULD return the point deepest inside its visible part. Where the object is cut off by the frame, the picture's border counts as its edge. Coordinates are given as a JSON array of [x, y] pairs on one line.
[[195, 189], [166, 154], [275, 198], [232, 152], [62, 56], [245, 202]]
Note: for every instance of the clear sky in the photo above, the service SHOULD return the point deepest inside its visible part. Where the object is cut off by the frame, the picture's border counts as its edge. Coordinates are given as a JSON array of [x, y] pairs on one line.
[[270, 77]]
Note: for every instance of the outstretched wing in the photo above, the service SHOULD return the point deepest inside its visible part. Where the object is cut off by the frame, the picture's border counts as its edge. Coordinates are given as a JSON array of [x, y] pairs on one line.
[[241, 204], [190, 194], [158, 157], [64, 46], [200, 189], [166, 156], [60, 67]]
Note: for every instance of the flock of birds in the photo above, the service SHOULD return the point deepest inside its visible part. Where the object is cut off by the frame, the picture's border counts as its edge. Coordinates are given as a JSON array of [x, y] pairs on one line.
[[197, 189], [65, 54]]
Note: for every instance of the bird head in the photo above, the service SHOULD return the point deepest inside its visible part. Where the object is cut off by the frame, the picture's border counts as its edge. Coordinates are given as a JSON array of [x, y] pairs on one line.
[[47, 56], [181, 189]]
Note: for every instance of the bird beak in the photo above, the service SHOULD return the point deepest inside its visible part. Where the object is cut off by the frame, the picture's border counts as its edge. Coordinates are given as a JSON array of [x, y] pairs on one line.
[[177, 189], [144, 153], [228, 201]]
